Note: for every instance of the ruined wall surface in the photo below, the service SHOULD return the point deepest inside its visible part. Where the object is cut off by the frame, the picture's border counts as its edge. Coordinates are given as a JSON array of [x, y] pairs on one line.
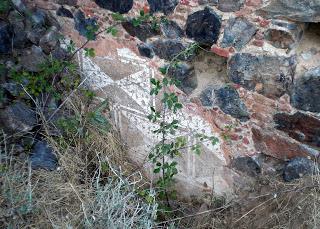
[[256, 86]]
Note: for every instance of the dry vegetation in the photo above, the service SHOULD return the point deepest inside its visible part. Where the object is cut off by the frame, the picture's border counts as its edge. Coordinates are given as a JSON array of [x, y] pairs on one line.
[[90, 189], [97, 187]]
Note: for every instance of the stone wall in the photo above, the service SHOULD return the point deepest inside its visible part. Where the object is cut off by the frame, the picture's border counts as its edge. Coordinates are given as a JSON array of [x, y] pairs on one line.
[[254, 86]]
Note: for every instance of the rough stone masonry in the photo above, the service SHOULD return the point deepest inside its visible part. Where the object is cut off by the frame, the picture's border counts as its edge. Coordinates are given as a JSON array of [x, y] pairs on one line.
[[255, 86]]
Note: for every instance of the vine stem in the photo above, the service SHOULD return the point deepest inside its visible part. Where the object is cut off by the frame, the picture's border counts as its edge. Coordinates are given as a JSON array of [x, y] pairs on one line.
[[163, 158]]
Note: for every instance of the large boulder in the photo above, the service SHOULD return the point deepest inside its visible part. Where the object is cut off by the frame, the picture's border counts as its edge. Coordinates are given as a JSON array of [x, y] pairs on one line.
[[17, 23], [32, 58], [17, 117], [165, 6], [238, 33], [297, 168], [302, 10], [170, 48], [120, 6], [228, 99], [247, 165], [50, 40], [43, 157], [306, 91], [146, 50], [5, 38], [204, 26], [185, 74], [268, 75], [143, 31], [230, 103], [171, 29]]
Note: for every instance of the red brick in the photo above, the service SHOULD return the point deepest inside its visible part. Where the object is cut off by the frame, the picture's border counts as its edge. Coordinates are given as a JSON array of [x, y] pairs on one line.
[[246, 141], [146, 9], [264, 22], [220, 51]]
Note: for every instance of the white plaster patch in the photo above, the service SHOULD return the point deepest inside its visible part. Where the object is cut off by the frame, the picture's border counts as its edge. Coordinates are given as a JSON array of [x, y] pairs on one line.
[[137, 87]]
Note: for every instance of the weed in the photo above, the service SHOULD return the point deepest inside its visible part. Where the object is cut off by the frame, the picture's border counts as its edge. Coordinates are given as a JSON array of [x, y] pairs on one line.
[[5, 6]]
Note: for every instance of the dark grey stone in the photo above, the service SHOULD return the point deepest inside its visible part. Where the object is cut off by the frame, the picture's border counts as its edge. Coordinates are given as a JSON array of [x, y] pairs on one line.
[[171, 29], [50, 40], [120, 6], [82, 23], [68, 2], [204, 26], [142, 31], [60, 53], [274, 73], [34, 34], [297, 168], [302, 10], [230, 103], [207, 97], [145, 50], [6, 34], [43, 157], [238, 33], [19, 5], [19, 38], [185, 74], [230, 5], [32, 58], [13, 88], [247, 165], [227, 98], [38, 18], [165, 6], [169, 48], [63, 12], [306, 91], [17, 117]]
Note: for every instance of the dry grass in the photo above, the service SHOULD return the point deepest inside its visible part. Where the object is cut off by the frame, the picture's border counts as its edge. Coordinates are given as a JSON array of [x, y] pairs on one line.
[[95, 187], [273, 204], [90, 189]]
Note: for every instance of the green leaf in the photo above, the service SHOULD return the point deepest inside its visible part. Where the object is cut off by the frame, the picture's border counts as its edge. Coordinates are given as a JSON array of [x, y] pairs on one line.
[[174, 163], [112, 30], [141, 13], [136, 22], [153, 81], [165, 82], [89, 52], [163, 70], [157, 170], [118, 17], [196, 149]]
